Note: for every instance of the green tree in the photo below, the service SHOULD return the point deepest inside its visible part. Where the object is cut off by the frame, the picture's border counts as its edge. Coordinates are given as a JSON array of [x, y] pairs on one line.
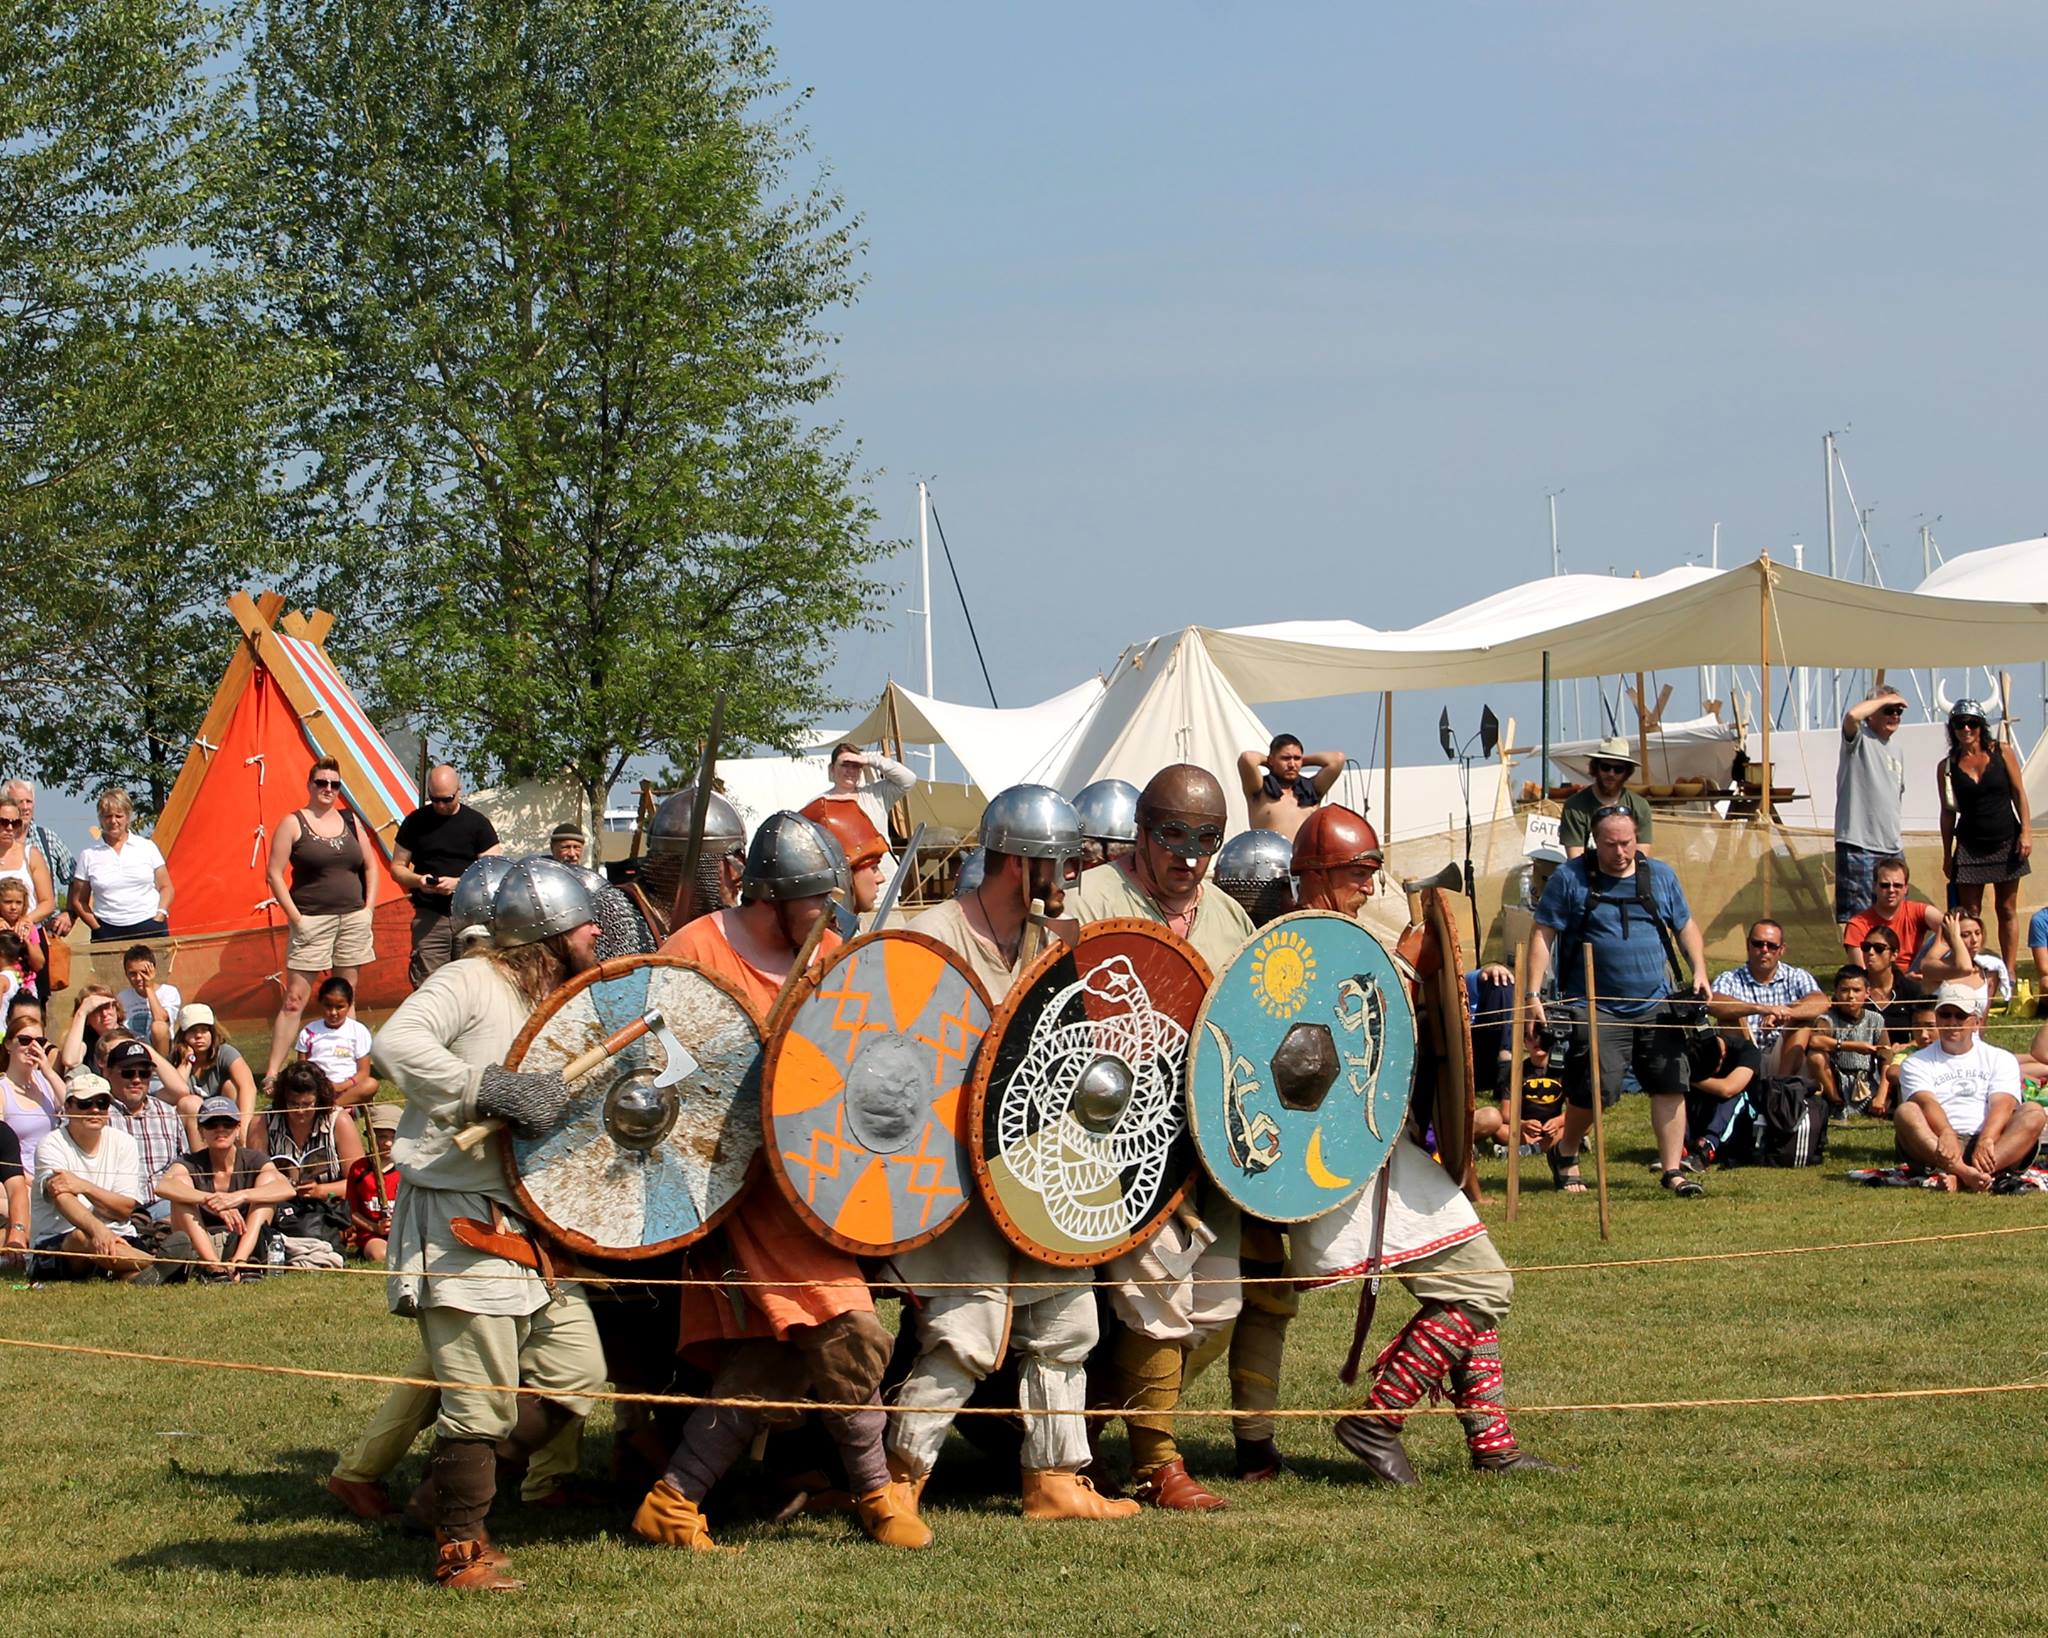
[[574, 451], [139, 401]]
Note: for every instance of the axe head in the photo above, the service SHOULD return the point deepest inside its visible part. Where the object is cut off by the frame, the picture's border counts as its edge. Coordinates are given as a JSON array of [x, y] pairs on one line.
[[680, 1063], [1451, 878]]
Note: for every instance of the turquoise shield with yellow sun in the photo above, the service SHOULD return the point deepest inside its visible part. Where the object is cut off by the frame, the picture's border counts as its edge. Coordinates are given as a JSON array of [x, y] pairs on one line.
[[1301, 1067]]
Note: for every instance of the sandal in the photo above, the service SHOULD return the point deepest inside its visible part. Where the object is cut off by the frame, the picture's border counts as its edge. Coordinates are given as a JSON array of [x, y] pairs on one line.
[[1564, 1173], [1682, 1185]]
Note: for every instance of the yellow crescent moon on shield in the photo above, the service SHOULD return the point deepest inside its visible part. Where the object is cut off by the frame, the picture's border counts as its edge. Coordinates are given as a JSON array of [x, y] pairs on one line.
[[1312, 1162]]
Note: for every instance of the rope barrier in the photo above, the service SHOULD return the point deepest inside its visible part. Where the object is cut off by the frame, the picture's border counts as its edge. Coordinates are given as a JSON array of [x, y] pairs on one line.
[[626, 1397], [1313, 1281]]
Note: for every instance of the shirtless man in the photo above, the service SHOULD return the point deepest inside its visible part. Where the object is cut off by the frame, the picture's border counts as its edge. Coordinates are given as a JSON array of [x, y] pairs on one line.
[[1284, 786]]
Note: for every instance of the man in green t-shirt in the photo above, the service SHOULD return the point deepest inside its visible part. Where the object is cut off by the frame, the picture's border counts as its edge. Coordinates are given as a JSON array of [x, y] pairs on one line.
[[1611, 765]]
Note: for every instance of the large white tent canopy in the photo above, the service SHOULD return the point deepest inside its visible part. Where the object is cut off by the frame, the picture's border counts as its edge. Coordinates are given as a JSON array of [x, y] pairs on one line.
[[2014, 573], [1591, 626]]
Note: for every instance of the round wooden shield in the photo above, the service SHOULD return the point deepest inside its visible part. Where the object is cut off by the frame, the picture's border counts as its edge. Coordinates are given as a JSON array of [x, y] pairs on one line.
[[864, 1092], [1077, 1120], [604, 1183], [1302, 1067], [1442, 971]]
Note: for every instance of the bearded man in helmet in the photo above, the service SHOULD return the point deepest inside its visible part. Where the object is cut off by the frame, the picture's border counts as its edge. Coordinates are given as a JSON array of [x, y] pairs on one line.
[[484, 1316], [1463, 1286], [812, 1331], [1163, 1307], [982, 1290]]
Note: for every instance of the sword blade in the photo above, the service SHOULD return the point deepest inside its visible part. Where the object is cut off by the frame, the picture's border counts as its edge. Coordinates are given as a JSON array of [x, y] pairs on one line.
[[894, 890]]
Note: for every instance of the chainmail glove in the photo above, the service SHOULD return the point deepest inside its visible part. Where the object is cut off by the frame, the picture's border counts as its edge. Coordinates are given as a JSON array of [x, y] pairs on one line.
[[529, 1103], [620, 931]]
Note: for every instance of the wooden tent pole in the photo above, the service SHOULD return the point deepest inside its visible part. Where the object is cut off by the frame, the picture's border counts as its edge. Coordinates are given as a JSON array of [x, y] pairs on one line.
[[1387, 776], [1643, 730], [1518, 1021], [1599, 1115], [1763, 570]]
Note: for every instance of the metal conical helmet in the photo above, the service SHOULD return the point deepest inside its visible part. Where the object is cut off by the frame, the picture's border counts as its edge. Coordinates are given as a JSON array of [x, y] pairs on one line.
[[469, 906], [1108, 810], [539, 898], [792, 857], [1256, 868], [668, 830]]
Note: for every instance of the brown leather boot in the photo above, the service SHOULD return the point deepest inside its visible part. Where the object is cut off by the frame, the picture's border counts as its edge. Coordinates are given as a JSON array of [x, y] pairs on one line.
[[1376, 1441], [1171, 1486], [471, 1566], [1054, 1493], [365, 1498], [1258, 1460], [907, 1482], [669, 1518], [887, 1520]]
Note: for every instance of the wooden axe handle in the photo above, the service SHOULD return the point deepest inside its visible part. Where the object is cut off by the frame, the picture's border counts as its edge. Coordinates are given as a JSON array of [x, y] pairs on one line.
[[573, 1071]]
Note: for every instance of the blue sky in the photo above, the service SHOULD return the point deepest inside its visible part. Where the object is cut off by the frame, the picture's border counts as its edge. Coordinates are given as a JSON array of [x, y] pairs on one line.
[[1222, 314], [1218, 314]]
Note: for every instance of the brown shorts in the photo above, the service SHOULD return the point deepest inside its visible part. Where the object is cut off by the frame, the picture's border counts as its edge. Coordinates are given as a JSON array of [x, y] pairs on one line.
[[322, 943]]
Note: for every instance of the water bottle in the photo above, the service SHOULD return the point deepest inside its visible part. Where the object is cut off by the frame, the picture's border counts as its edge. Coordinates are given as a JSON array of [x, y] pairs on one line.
[[277, 1251]]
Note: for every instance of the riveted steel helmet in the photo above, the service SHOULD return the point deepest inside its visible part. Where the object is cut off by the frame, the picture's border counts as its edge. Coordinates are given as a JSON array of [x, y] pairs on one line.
[[1108, 810], [469, 906], [594, 881], [973, 868], [539, 898], [1034, 822], [668, 840], [1333, 837], [792, 857], [1256, 868]]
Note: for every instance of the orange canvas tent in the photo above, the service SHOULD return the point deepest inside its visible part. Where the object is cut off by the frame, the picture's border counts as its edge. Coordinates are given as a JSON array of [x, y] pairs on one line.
[[281, 704]]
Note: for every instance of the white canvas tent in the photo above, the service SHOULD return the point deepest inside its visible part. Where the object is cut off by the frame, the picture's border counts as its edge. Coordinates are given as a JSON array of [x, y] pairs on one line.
[[2013, 573], [998, 748]]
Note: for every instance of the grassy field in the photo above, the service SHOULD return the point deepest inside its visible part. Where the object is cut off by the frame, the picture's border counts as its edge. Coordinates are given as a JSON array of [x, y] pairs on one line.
[[149, 1499]]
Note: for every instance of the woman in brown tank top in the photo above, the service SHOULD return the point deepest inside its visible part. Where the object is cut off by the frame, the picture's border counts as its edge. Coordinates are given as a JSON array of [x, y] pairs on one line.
[[320, 878]]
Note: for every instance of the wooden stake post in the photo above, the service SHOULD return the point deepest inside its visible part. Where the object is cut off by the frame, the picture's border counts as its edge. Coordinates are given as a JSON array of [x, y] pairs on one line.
[[1518, 1022], [1599, 1115]]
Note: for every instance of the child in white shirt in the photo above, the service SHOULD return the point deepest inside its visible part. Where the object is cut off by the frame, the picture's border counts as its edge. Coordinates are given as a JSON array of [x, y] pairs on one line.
[[339, 1046]]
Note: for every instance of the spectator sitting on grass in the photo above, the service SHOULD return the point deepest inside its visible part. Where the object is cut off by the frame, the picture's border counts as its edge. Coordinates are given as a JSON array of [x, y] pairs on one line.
[[148, 1008], [15, 1194], [88, 1185], [1969, 963], [119, 1052], [1886, 988], [222, 1196], [1915, 924], [1918, 1033], [373, 1188], [31, 1094], [312, 1150], [92, 1015], [212, 1066], [1961, 1118], [1781, 1000], [160, 1134], [1845, 1052], [1720, 1109], [339, 1046]]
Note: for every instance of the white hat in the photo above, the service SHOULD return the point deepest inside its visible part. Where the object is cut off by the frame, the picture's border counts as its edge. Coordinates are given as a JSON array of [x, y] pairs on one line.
[[1614, 749], [1964, 997]]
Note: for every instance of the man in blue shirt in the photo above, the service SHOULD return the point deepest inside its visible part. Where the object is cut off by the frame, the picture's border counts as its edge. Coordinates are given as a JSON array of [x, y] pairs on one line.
[[1612, 899]]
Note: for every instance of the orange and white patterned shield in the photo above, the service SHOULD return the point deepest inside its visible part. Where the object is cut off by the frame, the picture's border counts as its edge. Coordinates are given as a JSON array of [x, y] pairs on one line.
[[864, 1092]]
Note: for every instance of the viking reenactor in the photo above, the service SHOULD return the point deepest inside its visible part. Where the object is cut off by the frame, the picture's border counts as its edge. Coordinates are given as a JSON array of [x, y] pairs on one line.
[[865, 847], [799, 1321], [1108, 811], [462, 1259], [982, 1290], [1181, 1286], [721, 853], [1256, 868], [1419, 1222]]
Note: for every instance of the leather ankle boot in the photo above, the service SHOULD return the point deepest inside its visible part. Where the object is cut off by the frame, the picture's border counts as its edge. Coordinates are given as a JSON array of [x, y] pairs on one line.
[[472, 1566], [1376, 1441], [1054, 1493], [887, 1520], [670, 1519], [1171, 1486]]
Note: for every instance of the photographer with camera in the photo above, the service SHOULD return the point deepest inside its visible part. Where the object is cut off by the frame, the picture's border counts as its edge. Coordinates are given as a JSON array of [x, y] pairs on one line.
[[1631, 911]]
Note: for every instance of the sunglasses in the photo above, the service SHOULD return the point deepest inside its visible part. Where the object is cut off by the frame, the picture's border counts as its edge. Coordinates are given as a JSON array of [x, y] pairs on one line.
[[95, 1106], [141, 1074], [334, 785], [29, 1040], [10, 824], [1877, 945], [1765, 944], [1612, 767], [1188, 841], [444, 801], [1893, 711], [220, 1123]]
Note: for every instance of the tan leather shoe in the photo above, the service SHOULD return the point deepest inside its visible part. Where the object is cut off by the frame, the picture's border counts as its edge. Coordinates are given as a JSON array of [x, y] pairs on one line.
[[1053, 1493], [886, 1518], [1170, 1485], [669, 1518], [363, 1497], [913, 1482], [472, 1566]]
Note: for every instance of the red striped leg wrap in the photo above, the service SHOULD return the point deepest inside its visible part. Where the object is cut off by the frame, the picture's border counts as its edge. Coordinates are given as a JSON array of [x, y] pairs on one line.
[[1416, 1361], [1476, 1392]]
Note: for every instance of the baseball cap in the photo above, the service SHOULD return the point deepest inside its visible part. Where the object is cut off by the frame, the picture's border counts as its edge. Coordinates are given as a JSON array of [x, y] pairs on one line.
[[218, 1108], [194, 1012], [82, 1084], [1963, 997], [1546, 853], [384, 1117], [127, 1053]]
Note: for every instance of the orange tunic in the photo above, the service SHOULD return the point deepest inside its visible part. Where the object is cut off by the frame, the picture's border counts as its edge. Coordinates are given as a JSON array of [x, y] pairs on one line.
[[763, 1239]]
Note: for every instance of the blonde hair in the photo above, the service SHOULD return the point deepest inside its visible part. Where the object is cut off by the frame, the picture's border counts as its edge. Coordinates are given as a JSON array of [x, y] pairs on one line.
[[115, 800], [534, 970], [13, 885]]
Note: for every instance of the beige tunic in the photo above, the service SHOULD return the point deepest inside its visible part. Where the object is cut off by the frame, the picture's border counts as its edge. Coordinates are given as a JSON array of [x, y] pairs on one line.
[[948, 924], [1220, 926], [436, 1047]]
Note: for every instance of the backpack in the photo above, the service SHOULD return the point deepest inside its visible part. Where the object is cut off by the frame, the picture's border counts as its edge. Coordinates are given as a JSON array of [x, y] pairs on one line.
[[1791, 1122]]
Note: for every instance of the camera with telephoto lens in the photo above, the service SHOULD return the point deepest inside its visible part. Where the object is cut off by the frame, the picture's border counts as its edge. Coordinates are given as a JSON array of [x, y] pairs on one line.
[[1688, 1014]]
